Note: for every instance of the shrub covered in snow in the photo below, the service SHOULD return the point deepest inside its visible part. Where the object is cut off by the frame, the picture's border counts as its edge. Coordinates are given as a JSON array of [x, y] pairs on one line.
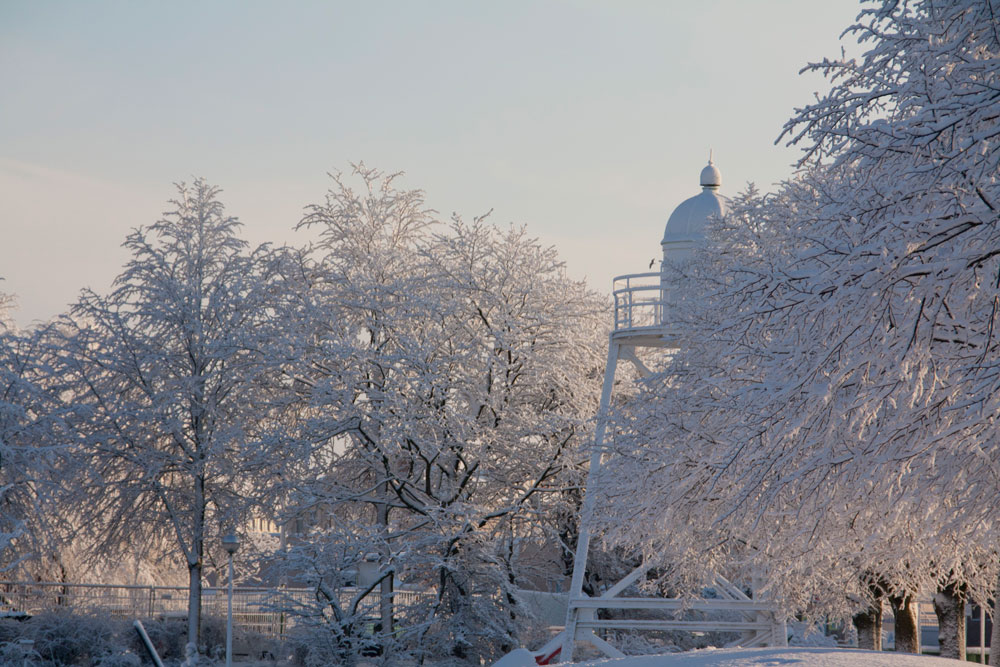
[[64, 639], [61, 638]]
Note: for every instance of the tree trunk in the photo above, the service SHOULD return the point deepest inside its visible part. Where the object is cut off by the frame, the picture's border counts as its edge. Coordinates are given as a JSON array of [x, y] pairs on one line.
[[194, 604], [869, 622], [907, 629], [949, 606], [995, 635], [386, 587], [869, 626], [195, 564]]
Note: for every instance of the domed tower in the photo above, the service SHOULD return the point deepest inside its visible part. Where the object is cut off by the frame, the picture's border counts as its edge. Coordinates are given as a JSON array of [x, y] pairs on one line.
[[642, 300]]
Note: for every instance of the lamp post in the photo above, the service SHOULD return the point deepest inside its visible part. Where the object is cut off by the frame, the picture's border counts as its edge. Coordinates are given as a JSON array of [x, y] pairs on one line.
[[230, 543]]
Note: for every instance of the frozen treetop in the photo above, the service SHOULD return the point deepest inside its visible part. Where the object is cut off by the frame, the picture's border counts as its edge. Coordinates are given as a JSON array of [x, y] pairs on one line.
[[687, 222]]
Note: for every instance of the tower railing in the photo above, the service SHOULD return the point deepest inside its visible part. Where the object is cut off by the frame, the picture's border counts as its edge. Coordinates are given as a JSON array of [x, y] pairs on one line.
[[638, 301]]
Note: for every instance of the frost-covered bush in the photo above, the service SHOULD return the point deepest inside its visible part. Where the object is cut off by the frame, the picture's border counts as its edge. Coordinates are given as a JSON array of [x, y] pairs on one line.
[[213, 641], [10, 629], [69, 639], [167, 636], [802, 633], [321, 639], [12, 653], [62, 639], [119, 660], [213, 637]]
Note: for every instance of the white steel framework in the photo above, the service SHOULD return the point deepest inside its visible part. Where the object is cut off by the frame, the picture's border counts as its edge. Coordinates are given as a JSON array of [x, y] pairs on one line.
[[641, 322]]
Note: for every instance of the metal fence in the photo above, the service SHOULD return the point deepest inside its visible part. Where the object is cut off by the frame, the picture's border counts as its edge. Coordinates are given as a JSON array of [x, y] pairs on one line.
[[253, 608], [639, 301]]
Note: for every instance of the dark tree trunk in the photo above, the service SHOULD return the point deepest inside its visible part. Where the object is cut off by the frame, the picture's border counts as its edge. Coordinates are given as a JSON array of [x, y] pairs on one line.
[[949, 606], [869, 622], [995, 635], [869, 627], [387, 585], [907, 631], [194, 603], [195, 563]]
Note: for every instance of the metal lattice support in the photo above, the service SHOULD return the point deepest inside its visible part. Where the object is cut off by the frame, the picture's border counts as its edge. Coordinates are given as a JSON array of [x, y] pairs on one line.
[[640, 322]]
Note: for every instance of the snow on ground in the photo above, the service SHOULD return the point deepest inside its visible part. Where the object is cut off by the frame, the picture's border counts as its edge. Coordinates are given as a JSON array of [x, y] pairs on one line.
[[773, 657]]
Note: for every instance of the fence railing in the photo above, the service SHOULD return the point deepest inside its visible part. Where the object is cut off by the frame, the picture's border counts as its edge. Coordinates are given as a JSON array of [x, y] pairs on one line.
[[253, 608], [639, 301]]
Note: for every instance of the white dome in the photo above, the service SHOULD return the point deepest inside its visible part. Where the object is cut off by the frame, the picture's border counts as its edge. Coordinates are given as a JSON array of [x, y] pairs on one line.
[[687, 222]]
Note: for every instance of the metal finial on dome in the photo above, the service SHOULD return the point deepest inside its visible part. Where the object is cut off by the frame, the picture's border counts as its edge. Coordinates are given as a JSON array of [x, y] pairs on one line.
[[711, 177]]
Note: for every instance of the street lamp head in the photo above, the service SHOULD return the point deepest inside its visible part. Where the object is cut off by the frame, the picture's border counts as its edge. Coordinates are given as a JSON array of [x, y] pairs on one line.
[[230, 543]]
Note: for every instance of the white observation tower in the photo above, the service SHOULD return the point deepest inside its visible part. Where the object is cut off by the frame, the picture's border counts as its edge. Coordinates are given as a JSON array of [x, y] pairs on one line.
[[643, 319]]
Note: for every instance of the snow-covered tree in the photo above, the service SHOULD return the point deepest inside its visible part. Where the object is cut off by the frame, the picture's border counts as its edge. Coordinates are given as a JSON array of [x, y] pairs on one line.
[[173, 384], [450, 376], [840, 384], [24, 449]]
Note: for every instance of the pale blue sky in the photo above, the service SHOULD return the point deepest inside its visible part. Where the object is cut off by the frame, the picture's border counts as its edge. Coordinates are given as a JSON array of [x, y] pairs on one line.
[[587, 121]]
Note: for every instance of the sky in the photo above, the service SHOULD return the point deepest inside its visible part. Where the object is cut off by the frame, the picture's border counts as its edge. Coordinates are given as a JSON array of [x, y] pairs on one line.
[[586, 121]]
